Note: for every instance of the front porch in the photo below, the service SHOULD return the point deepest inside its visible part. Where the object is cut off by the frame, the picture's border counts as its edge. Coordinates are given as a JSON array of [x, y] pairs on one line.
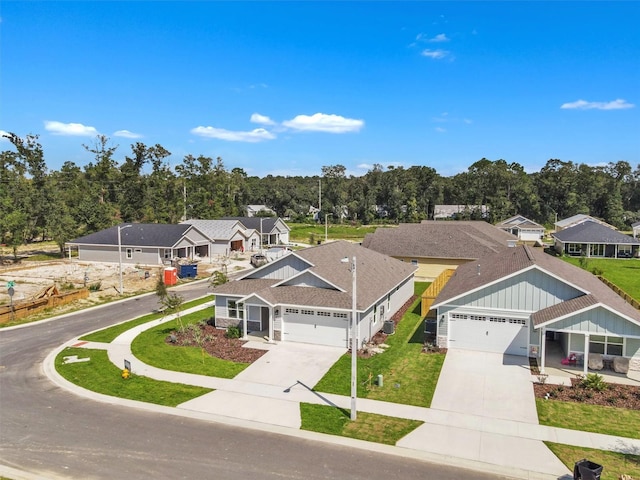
[[561, 374]]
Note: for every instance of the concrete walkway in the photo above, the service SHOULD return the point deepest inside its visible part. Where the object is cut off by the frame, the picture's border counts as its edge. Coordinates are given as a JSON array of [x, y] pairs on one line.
[[482, 416]]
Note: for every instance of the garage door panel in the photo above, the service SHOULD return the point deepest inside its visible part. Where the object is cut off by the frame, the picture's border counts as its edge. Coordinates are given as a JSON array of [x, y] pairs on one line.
[[499, 335], [318, 330]]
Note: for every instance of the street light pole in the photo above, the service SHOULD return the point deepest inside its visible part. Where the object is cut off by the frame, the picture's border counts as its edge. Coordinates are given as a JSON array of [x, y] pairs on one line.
[[326, 226], [120, 256], [354, 342]]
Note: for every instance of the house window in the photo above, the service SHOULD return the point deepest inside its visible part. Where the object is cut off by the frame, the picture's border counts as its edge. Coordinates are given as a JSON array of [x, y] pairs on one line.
[[129, 253], [414, 261], [236, 309], [291, 310], [324, 314], [167, 253], [307, 312], [606, 345], [340, 315], [574, 249], [596, 250], [624, 250]]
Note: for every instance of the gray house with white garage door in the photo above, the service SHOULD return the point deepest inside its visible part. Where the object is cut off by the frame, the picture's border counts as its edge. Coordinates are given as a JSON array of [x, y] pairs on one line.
[[507, 303], [306, 296]]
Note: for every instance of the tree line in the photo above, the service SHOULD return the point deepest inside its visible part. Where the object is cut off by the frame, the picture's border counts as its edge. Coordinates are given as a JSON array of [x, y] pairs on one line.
[[39, 203]]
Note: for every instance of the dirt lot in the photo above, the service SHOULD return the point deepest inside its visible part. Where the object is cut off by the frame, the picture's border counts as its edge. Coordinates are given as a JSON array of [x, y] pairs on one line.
[[31, 277]]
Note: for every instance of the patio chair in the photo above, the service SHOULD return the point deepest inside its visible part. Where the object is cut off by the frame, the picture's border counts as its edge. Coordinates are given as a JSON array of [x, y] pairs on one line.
[[595, 361]]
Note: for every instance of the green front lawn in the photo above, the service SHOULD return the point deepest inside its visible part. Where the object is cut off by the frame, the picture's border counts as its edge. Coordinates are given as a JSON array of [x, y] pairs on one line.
[[101, 376], [622, 272], [367, 426], [409, 376], [589, 418], [109, 334], [301, 232], [614, 464], [150, 347]]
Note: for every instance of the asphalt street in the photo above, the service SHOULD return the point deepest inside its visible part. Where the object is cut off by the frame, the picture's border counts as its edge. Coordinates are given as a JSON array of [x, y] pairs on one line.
[[47, 432]]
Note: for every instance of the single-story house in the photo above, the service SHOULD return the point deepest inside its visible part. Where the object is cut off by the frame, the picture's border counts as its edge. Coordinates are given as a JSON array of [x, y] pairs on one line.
[[577, 220], [253, 210], [593, 239], [306, 296], [226, 236], [526, 230], [636, 229], [435, 246], [272, 230], [451, 212], [141, 243], [507, 302]]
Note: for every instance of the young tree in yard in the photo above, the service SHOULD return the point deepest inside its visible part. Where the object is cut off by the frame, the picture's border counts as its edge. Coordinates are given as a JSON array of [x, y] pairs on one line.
[[218, 278], [173, 302]]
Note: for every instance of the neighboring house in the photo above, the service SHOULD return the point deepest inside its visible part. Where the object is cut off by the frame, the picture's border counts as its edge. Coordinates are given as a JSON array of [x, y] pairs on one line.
[[526, 230], [636, 229], [306, 296], [443, 212], [226, 236], [314, 212], [142, 243], [436, 246], [593, 239], [577, 220], [273, 230], [506, 303], [253, 210]]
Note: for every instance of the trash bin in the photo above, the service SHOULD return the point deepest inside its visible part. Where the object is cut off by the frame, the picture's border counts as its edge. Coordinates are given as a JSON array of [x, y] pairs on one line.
[[586, 470]]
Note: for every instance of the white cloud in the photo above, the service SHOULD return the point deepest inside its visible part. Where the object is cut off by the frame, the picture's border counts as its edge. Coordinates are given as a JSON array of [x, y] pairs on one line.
[[261, 119], [71, 129], [322, 122], [126, 134], [441, 37], [618, 104], [440, 130], [468, 121], [254, 136], [435, 54]]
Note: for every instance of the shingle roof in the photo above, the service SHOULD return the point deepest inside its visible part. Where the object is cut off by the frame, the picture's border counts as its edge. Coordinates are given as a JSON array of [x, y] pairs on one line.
[[256, 223], [495, 267], [138, 235], [592, 232], [216, 229], [580, 218], [444, 239], [376, 275], [518, 221]]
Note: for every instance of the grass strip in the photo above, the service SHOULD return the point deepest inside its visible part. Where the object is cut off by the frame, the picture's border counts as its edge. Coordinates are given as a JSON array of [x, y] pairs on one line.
[[368, 426], [616, 421], [623, 272], [409, 376], [614, 464], [101, 376], [109, 334], [150, 347]]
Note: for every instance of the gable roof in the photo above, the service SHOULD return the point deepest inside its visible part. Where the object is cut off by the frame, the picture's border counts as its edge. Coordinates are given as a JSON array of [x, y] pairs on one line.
[[431, 239], [580, 218], [138, 235], [448, 211], [518, 221], [592, 232], [217, 229], [498, 267], [376, 275], [267, 224]]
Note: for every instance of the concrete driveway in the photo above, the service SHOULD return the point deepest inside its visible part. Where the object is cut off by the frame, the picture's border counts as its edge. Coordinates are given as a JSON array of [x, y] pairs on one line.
[[265, 391]]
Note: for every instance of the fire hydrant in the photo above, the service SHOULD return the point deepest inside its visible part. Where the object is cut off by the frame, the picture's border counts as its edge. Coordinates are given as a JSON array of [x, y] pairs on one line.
[[125, 373]]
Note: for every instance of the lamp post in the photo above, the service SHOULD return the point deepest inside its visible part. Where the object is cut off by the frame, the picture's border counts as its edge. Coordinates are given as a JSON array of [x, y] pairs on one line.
[[120, 256], [326, 226], [354, 339]]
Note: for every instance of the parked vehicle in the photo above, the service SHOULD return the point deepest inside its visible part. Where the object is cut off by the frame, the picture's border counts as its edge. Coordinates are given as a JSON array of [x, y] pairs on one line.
[[258, 259]]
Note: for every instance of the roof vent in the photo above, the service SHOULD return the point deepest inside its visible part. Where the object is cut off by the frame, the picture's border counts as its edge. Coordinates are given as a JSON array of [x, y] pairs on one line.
[[511, 243], [478, 269]]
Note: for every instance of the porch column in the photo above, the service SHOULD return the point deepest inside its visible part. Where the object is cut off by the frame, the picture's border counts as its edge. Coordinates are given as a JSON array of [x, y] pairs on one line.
[[586, 354], [244, 322], [272, 319], [543, 348]]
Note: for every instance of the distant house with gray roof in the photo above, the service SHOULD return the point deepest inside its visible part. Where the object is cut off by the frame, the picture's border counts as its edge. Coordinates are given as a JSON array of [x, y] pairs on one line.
[[577, 220], [226, 236], [526, 230], [592, 239], [257, 210], [507, 302], [306, 296], [454, 212], [272, 230], [636, 229], [434, 246]]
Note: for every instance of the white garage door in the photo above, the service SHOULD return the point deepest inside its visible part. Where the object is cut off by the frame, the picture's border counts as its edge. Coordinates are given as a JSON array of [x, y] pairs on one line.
[[489, 334], [309, 327]]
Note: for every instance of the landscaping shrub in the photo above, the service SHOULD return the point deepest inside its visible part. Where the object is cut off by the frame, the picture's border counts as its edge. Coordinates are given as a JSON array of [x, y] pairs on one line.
[[594, 381], [234, 332]]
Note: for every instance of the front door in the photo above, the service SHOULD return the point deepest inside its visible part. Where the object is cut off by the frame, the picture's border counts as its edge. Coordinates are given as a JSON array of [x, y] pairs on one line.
[[264, 319]]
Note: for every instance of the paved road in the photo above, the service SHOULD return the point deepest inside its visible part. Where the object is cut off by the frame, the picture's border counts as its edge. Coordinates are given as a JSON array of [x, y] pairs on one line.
[[50, 432]]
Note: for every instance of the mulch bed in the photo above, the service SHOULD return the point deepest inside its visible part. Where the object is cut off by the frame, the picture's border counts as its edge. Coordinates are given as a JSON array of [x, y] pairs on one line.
[[615, 395], [216, 344]]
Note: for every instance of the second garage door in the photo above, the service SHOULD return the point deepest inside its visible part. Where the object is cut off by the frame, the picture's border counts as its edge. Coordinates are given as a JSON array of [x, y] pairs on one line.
[[308, 326], [489, 334]]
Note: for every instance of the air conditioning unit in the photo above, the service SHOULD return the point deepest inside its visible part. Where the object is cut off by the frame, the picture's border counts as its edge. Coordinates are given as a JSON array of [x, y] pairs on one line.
[[388, 327]]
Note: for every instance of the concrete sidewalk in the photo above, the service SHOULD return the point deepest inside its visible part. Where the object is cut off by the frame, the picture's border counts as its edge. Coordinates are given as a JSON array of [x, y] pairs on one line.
[[511, 445]]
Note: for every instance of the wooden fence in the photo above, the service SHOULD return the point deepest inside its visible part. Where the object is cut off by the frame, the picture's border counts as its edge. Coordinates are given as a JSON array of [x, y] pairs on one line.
[[430, 294], [628, 298], [24, 309]]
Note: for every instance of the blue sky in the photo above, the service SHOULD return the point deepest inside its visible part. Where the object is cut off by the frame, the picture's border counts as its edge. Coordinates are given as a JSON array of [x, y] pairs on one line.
[[284, 88]]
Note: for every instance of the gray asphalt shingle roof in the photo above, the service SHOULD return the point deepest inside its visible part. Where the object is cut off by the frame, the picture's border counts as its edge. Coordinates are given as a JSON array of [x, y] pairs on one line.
[[268, 223], [592, 232], [376, 275], [138, 235], [216, 229], [439, 239], [495, 267]]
